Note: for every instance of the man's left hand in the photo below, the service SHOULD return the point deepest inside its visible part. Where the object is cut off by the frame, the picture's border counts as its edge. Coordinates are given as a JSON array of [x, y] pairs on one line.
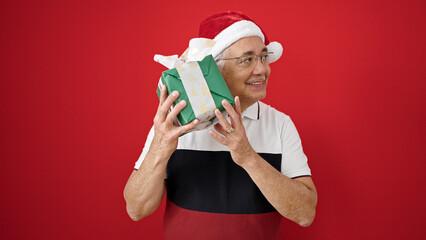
[[233, 134]]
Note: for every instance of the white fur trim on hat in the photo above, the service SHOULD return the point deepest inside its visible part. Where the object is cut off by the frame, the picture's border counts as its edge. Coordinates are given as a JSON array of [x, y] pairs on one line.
[[277, 50], [233, 33], [242, 29]]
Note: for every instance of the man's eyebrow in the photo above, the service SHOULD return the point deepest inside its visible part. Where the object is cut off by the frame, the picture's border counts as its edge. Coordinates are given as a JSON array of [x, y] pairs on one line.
[[248, 53]]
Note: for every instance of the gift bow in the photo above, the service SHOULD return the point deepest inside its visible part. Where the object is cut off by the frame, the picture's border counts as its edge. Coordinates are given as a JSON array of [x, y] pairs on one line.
[[197, 50], [192, 77]]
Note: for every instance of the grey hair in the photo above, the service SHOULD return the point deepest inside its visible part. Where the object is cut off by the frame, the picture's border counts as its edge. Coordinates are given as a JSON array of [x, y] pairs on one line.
[[220, 63]]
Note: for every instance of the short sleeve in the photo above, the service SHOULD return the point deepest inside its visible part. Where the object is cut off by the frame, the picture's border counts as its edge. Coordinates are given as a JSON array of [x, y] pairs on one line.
[[294, 162], [145, 148]]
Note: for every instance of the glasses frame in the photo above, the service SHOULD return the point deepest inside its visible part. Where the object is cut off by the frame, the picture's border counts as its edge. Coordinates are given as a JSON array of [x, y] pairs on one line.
[[256, 57]]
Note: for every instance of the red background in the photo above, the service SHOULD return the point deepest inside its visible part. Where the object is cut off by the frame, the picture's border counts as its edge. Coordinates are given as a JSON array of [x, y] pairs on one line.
[[78, 98]]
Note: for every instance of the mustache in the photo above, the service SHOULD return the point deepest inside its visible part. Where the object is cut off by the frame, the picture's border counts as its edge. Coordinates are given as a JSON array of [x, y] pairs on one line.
[[256, 79]]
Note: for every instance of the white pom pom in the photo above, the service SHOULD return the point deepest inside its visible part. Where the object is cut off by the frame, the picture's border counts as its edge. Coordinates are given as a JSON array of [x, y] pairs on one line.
[[277, 50]]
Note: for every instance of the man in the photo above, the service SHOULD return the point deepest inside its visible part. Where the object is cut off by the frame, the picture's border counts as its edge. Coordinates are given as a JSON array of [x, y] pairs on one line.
[[234, 181]]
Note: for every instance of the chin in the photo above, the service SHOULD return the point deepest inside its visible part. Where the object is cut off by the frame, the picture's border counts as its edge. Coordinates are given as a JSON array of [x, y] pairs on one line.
[[258, 98], [261, 96]]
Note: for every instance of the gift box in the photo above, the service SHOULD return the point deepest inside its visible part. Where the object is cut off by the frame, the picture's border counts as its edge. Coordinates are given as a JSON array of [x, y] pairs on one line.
[[201, 85]]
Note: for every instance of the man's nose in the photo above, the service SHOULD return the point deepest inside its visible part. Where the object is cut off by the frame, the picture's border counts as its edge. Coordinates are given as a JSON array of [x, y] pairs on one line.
[[259, 67]]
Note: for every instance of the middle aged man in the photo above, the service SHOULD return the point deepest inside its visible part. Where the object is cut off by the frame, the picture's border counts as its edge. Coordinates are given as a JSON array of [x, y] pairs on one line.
[[236, 181]]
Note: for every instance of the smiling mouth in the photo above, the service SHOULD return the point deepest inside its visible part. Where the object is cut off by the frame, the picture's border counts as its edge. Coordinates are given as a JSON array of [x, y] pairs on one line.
[[255, 83]]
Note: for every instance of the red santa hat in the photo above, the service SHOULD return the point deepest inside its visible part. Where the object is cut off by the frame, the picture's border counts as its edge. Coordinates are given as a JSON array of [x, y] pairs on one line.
[[230, 26]]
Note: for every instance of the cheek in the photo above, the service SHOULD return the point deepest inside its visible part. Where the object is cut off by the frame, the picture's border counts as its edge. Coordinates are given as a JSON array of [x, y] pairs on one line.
[[268, 71], [229, 78], [235, 80], [231, 86]]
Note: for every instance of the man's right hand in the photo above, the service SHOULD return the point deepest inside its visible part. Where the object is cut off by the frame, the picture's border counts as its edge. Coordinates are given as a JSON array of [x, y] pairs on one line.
[[146, 187], [166, 134]]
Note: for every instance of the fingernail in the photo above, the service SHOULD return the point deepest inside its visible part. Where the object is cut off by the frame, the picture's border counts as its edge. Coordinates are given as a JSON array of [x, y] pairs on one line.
[[163, 87], [175, 93], [224, 102], [195, 121], [183, 102]]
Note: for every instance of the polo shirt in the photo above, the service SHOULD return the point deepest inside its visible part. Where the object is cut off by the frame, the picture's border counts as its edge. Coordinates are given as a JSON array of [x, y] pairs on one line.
[[210, 197]]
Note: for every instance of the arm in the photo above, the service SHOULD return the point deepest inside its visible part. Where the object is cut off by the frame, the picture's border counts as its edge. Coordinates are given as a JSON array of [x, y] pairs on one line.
[[146, 187], [294, 199]]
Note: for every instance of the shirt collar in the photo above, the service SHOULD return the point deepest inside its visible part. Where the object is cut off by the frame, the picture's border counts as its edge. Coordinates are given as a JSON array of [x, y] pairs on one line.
[[252, 112]]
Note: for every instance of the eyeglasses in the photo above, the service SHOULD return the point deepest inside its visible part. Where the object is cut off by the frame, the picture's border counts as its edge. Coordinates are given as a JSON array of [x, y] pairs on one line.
[[249, 60]]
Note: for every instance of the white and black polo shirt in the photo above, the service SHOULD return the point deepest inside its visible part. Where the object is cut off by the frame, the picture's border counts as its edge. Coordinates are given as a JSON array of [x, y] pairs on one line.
[[210, 197]]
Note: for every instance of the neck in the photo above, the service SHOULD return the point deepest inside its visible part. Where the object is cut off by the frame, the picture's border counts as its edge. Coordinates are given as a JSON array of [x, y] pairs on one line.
[[244, 105]]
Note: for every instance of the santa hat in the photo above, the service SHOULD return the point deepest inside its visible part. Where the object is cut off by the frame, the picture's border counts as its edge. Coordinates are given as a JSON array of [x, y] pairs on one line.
[[228, 27]]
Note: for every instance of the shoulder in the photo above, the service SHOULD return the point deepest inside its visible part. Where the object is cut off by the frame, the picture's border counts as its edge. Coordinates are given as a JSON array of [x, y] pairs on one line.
[[270, 115], [271, 111]]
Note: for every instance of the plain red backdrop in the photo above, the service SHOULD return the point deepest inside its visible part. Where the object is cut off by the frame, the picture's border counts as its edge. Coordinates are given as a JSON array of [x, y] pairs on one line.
[[78, 97]]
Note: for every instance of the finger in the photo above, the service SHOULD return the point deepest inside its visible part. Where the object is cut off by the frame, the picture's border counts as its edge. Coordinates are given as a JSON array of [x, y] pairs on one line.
[[230, 110], [175, 111], [171, 99], [163, 95], [222, 120], [187, 127], [220, 129], [164, 108], [219, 138], [237, 105]]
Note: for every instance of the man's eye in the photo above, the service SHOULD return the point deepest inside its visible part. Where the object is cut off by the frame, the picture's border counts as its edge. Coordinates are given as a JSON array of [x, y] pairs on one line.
[[264, 58], [247, 60]]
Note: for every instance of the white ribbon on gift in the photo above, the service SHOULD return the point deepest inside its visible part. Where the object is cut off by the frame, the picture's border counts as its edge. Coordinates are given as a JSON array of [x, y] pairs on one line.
[[192, 77]]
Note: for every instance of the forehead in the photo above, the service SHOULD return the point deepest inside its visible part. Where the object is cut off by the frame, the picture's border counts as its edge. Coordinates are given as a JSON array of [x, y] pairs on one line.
[[247, 45]]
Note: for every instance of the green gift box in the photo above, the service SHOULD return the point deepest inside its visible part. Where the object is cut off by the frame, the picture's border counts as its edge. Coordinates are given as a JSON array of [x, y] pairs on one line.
[[215, 82]]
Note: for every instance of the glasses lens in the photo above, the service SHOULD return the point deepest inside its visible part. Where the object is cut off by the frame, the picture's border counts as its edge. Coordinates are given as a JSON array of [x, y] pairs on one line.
[[247, 61]]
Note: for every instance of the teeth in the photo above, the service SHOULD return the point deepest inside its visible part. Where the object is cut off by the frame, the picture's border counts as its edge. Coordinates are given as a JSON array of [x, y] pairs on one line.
[[256, 83]]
